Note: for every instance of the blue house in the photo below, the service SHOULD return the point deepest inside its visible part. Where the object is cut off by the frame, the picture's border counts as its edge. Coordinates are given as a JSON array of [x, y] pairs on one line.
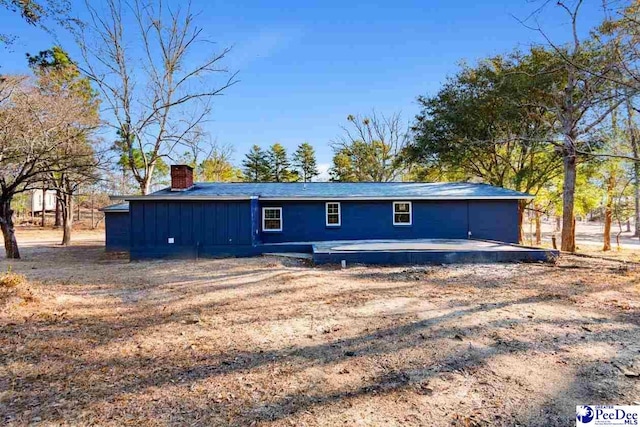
[[116, 225], [191, 220]]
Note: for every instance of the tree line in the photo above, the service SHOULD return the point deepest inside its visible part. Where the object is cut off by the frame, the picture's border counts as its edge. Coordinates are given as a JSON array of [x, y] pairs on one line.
[[213, 162], [275, 165], [557, 120]]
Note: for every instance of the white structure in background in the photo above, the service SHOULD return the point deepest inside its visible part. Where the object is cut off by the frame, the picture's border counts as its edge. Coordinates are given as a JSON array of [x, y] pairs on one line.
[[40, 197]]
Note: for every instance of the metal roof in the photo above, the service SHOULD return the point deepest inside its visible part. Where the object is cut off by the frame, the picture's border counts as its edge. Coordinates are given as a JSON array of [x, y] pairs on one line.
[[119, 207], [337, 191]]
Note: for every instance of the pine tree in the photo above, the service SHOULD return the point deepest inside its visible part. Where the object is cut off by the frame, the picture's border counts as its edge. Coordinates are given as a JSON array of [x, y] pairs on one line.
[[304, 160], [279, 165], [255, 165]]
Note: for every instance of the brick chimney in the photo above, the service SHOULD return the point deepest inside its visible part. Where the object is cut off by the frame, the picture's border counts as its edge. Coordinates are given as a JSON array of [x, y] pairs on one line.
[[181, 177]]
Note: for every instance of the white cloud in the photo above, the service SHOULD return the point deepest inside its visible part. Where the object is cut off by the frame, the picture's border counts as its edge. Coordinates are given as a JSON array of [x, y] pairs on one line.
[[261, 45], [323, 168]]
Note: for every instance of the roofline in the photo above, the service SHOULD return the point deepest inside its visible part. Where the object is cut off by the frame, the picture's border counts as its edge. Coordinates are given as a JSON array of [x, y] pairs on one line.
[[113, 210], [178, 196], [328, 198], [400, 197]]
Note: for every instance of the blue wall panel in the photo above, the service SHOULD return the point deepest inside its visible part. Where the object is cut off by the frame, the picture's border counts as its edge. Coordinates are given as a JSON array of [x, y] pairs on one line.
[[136, 224], [494, 220], [305, 221], [198, 229], [186, 237], [116, 231], [234, 228], [162, 222]]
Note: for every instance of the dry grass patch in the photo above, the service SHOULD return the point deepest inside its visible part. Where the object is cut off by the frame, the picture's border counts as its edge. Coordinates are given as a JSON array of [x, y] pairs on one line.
[[272, 342], [12, 280], [15, 290]]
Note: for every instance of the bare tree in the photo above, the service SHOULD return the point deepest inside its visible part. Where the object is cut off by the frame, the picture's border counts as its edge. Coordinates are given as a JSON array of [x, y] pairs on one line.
[[156, 101], [80, 169], [40, 13], [33, 126], [198, 145], [211, 161], [57, 74], [369, 149]]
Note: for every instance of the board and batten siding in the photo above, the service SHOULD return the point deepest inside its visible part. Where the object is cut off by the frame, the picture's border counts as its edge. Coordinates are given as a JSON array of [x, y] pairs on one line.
[[494, 220], [198, 228], [234, 228], [116, 231], [304, 221]]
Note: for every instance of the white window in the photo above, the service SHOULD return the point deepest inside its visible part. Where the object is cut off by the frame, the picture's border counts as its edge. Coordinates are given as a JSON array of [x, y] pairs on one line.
[[271, 219], [333, 214], [401, 213]]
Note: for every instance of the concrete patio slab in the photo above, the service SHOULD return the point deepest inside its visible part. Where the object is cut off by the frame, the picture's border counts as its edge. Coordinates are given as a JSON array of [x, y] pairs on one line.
[[419, 245], [426, 251]]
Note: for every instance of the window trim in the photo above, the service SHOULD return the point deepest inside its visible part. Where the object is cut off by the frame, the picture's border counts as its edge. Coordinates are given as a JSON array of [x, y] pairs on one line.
[[393, 213], [264, 210], [326, 214]]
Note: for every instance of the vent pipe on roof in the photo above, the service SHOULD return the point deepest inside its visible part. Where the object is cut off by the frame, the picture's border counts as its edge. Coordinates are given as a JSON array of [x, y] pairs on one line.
[[181, 177]]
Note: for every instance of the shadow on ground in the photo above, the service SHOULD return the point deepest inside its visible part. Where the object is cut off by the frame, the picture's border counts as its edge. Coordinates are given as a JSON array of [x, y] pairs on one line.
[[256, 342]]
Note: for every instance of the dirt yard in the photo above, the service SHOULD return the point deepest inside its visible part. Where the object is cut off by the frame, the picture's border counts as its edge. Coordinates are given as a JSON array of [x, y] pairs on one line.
[[92, 339]]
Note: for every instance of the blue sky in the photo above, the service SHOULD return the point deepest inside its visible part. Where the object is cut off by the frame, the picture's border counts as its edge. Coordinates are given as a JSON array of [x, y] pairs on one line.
[[304, 66]]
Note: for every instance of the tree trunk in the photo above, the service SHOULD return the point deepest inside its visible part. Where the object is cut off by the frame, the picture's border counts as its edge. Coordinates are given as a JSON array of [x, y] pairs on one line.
[[145, 181], [538, 227], [44, 205], [636, 166], [618, 235], [606, 237], [123, 183], [558, 223], [8, 231], [145, 186], [568, 220], [636, 195], [521, 207], [57, 222], [92, 218], [67, 218], [608, 214]]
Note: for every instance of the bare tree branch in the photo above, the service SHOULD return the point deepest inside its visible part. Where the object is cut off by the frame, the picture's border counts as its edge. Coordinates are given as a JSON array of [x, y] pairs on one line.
[[154, 102]]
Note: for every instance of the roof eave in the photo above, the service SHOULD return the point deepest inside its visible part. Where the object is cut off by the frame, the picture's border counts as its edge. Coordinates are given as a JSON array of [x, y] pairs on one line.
[[180, 196], [328, 197], [401, 197], [113, 210]]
